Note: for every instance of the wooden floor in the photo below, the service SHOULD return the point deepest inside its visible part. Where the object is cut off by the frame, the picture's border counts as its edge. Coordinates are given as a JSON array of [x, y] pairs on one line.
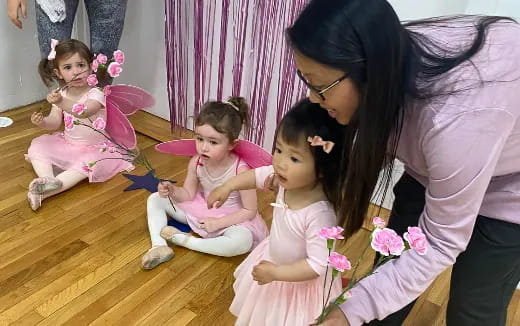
[[77, 260]]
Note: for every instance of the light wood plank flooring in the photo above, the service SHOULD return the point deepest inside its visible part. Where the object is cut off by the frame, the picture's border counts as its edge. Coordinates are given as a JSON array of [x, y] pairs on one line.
[[77, 260]]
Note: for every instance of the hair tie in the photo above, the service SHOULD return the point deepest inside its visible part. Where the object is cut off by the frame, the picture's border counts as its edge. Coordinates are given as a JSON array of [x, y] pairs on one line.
[[233, 106], [318, 141], [52, 53]]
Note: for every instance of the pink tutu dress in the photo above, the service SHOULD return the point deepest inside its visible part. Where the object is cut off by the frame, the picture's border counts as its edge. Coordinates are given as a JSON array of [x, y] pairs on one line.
[[196, 209], [78, 145], [293, 237]]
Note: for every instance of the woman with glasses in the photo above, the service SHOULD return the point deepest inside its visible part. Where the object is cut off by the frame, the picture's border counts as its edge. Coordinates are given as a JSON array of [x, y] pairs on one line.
[[443, 96]]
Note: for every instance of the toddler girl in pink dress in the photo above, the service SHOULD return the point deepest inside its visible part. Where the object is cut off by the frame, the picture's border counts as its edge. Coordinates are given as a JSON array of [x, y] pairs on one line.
[[70, 151], [281, 281], [233, 229]]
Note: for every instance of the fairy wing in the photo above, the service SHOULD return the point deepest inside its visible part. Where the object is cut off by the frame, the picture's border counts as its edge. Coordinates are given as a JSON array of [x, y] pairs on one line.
[[124, 100], [254, 155], [129, 99]]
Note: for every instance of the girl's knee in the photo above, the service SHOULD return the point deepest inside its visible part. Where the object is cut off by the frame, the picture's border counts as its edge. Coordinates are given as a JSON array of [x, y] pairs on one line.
[[153, 199]]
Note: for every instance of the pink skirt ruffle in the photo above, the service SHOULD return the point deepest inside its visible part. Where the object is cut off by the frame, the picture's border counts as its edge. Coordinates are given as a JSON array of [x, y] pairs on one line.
[[276, 303], [196, 210], [55, 149]]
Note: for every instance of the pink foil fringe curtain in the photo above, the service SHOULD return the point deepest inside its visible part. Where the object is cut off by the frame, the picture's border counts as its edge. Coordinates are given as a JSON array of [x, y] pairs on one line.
[[215, 49]]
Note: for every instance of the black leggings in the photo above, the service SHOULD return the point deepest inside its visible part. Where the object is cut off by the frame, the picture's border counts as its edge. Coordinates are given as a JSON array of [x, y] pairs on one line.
[[484, 276]]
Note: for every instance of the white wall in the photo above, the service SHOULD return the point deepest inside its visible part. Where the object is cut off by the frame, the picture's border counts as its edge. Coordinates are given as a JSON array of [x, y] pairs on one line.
[[20, 83], [413, 9]]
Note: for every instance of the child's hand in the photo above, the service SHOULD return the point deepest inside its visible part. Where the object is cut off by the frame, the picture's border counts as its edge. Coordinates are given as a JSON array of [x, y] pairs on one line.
[[37, 118], [165, 188], [264, 272], [271, 182], [210, 224], [218, 196], [54, 97]]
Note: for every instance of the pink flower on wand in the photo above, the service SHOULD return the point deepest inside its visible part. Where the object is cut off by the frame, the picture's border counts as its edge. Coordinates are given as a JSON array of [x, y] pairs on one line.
[[339, 262], [331, 233], [387, 242], [68, 120], [416, 239], [107, 146], [114, 69], [378, 222], [78, 108], [119, 57], [101, 58], [95, 65], [99, 124], [106, 90], [92, 80], [87, 167]]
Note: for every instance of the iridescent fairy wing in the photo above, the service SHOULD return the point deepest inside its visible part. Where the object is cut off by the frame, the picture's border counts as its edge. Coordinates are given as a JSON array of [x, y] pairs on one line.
[[124, 100]]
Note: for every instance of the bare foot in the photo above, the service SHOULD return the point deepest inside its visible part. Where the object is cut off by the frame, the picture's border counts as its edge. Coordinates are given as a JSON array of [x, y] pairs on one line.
[[44, 184], [35, 200], [156, 256]]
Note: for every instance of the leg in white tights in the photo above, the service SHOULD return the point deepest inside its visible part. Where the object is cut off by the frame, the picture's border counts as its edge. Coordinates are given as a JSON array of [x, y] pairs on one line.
[[158, 209]]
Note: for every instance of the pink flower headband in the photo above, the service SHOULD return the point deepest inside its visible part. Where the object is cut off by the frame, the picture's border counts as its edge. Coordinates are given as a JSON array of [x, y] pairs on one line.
[[318, 141], [52, 53]]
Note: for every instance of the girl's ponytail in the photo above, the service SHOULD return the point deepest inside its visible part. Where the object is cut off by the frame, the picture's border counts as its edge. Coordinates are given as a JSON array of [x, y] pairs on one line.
[[45, 68]]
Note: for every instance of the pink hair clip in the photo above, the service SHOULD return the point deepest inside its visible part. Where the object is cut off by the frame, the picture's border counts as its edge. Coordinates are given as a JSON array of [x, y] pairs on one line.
[[52, 53], [318, 141]]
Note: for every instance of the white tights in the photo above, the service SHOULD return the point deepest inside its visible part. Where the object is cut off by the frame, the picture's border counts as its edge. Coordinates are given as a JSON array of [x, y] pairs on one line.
[[236, 239]]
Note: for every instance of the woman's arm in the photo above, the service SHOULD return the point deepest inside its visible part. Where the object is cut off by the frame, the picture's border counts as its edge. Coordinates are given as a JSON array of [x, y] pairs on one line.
[[248, 212], [461, 154]]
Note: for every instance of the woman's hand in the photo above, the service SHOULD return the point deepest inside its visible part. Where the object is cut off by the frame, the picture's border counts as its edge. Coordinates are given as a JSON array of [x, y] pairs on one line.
[[218, 196], [12, 11], [335, 318], [54, 97], [165, 189], [264, 272], [37, 119]]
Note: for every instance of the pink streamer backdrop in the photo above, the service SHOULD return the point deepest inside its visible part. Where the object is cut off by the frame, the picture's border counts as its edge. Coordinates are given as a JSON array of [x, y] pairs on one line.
[[231, 47]]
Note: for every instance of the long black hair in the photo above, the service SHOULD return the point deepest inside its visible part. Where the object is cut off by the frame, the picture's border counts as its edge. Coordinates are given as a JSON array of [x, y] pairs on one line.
[[388, 62], [306, 119]]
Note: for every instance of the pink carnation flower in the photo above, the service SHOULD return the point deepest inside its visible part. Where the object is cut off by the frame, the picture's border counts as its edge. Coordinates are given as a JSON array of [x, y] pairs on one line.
[[106, 90], [107, 146], [378, 222], [416, 239], [387, 242], [99, 124], [68, 120], [92, 80], [78, 108], [331, 233], [119, 57], [95, 65], [102, 58], [87, 167], [114, 69], [339, 262]]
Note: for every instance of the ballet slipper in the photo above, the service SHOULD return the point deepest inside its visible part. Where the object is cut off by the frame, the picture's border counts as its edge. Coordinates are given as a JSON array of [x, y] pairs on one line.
[[44, 184], [168, 232], [35, 200], [156, 256]]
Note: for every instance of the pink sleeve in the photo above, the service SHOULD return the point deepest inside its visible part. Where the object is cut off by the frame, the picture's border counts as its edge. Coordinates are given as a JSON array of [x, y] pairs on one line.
[[97, 95], [461, 154], [261, 174], [317, 252]]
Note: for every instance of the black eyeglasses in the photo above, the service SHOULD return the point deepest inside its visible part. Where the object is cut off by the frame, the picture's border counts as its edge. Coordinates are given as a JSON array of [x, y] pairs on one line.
[[320, 92]]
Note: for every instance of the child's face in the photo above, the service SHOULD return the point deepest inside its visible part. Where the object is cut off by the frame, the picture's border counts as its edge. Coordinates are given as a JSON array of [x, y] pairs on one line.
[[212, 145], [74, 67], [294, 165]]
